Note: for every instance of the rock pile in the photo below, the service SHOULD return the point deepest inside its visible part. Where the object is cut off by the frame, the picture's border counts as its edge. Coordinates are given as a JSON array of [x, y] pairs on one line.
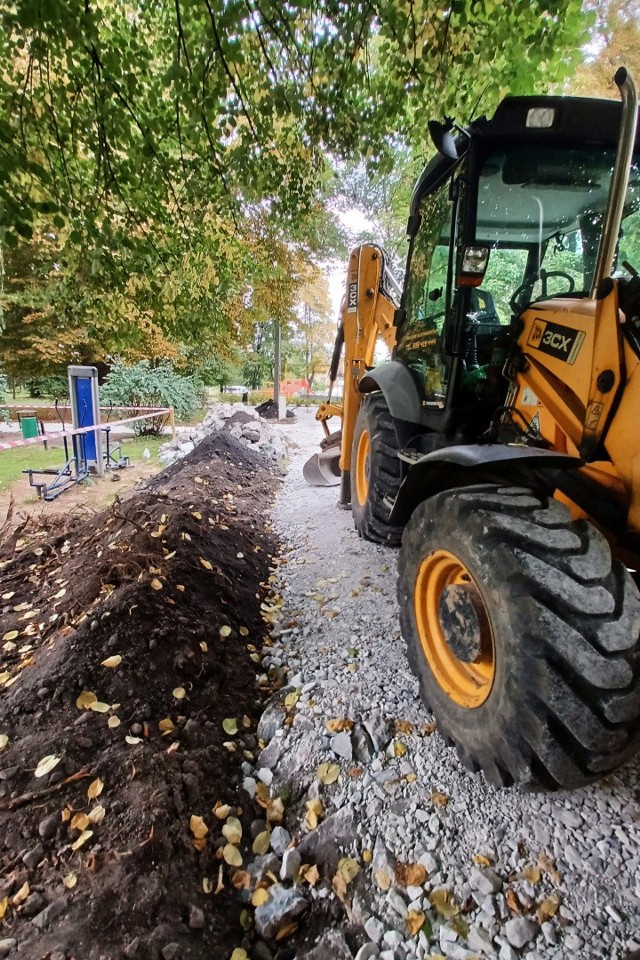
[[239, 420]]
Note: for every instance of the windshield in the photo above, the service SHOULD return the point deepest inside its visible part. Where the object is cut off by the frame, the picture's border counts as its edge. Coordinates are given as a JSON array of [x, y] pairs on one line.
[[541, 211]]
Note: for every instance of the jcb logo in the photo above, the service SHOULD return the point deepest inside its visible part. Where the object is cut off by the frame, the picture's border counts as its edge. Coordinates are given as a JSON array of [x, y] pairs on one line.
[[352, 300], [556, 340]]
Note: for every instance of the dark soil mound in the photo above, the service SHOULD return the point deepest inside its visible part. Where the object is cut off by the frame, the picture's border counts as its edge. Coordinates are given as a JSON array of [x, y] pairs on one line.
[[269, 411], [169, 581]]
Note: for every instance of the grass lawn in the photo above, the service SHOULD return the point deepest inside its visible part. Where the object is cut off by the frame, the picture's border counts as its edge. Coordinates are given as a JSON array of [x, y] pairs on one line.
[[13, 462]]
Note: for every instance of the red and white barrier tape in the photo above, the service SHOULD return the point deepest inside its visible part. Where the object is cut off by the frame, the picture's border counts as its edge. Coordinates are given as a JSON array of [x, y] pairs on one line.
[[29, 441]]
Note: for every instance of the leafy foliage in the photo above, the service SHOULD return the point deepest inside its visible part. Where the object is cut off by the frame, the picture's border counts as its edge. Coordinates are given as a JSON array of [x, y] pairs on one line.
[[142, 385]]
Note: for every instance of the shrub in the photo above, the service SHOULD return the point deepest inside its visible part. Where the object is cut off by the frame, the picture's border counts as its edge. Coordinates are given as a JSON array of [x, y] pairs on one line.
[[142, 385], [49, 388]]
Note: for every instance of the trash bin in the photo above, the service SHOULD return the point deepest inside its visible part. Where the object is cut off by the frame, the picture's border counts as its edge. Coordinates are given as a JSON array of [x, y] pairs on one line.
[[29, 427]]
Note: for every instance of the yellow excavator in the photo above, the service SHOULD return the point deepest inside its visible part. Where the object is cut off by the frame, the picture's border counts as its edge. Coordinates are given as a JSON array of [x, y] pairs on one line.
[[498, 443]]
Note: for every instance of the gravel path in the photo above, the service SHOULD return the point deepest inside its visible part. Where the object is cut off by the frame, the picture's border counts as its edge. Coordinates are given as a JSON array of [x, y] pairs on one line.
[[533, 875]]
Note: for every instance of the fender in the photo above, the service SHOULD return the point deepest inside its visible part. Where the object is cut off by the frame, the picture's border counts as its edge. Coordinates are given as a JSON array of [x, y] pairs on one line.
[[459, 466], [398, 388]]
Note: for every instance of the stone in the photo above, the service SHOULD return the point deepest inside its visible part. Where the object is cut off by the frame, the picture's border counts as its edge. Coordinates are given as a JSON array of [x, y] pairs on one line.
[[280, 840], [321, 845], [374, 929], [271, 720], [291, 863], [48, 827], [131, 949], [361, 744], [34, 903], [341, 745], [271, 754], [52, 912], [480, 939], [367, 952], [332, 946], [171, 951], [196, 918], [33, 857], [485, 881], [520, 931], [284, 904], [573, 943], [396, 902], [379, 731], [6, 946], [392, 939]]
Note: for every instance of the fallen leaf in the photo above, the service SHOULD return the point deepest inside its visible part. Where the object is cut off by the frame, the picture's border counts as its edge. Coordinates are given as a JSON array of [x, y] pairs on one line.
[[383, 879], [179, 693], [338, 725], [415, 922], [97, 815], [444, 902], [166, 726], [367, 856], [205, 563], [230, 725], [85, 700], [80, 821], [239, 954], [70, 881], [11, 635], [275, 810], [98, 707], [260, 897], [113, 722], [328, 773], [220, 883], [199, 843], [46, 765], [314, 812], [155, 584], [113, 661], [309, 873], [82, 839], [198, 827], [95, 788], [243, 631], [203, 646], [439, 799], [348, 869], [481, 860], [513, 903], [221, 810], [207, 886], [4, 903], [427, 729], [547, 866], [532, 874], [291, 700], [399, 748], [262, 842], [548, 908], [4, 740], [21, 895], [411, 874], [133, 740], [225, 631], [232, 830], [403, 726], [232, 855]]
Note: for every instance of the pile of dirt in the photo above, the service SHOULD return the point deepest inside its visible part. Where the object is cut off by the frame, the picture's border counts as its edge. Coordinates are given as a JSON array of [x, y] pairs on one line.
[[127, 638], [269, 410]]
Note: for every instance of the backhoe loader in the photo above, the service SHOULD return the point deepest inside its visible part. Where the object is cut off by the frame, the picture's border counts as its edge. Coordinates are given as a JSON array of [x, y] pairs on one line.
[[498, 443]]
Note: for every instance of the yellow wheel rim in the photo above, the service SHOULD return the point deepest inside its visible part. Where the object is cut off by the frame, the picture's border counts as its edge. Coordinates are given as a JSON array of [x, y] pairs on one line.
[[462, 662], [363, 459]]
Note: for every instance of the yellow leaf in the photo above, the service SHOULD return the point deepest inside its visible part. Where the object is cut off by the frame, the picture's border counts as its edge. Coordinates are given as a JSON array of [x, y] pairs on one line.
[[403, 726], [133, 740], [260, 897], [203, 646], [338, 725], [532, 874], [113, 661], [166, 726], [243, 631], [70, 881], [205, 564], [262, 842], [60, 594], [4, 903], [232, 855], [547, 865], [444, 902], [155, 584], [291, 700], [21, 895], [95, 788], [11, 635], [225, 631], [239, 954], [85, 700], [415, 922], [348, 868], [328, 773], [97, 815], [179, 693], [275, 810], [309, 873], [113, 722], [230, 725], [399, 749], [207, 886], [232, 830], [198, 516], [383, 879], [481, 860], [98, 707], [7, 596], [4, 740], [221, 810], [548, 908], [314, 812], [82, 839], [46, 765], [367, 856], [80, 821], [198, 827], [200, 843]]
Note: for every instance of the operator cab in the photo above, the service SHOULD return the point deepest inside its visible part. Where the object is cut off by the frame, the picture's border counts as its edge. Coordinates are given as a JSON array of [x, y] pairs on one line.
[[514, 219]]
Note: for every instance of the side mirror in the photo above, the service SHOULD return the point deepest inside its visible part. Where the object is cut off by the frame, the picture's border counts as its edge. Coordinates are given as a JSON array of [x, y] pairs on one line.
[[473, 266], [443, 141]]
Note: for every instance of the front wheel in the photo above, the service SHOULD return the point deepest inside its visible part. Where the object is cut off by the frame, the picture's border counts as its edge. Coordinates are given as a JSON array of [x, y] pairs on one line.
[[523, 634], [376, 471]]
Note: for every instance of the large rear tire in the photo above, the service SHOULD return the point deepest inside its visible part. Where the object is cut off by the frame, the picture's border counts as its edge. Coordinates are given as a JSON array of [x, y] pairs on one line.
[[376, 471], [524, 636]]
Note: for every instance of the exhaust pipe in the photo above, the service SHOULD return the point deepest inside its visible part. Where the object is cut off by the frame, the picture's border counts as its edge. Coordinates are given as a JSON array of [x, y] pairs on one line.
[[619, 179]]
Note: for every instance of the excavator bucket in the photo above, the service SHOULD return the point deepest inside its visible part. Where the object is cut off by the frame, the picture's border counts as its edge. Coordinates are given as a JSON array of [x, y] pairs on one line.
[[323, 469]]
